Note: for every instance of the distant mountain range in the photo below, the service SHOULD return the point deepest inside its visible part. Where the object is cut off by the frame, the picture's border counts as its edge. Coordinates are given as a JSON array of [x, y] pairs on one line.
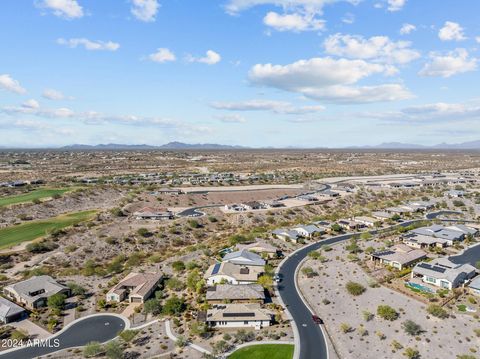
[[472, 145], [168, 146]]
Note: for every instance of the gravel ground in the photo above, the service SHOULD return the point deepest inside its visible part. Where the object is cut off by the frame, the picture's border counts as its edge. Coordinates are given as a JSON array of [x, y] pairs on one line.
[[441, 338]]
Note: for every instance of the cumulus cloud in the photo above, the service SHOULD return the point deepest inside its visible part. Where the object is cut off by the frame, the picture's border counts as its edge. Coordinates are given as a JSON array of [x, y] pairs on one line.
[[280, 107], [236, 6], [9, 84], [395, 5], [210, 58], [235, 118], [162, 55], [407, 29], [145, 10], [450, 64], [451, 31], [89, 45], [52, 94], [329, 79], [379, 48], [293, 22], [298, 15], [68, 9]]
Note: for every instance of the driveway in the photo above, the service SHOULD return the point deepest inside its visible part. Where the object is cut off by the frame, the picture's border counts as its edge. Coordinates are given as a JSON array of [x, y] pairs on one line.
[[100, 328]]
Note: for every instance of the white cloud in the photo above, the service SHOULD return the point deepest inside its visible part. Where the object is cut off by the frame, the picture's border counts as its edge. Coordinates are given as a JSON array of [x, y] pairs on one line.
[[89, 45], [279, 107], [162, 55], [451, 31], [145, 10], [395, 5], [329, 79], [9, 84], [477, 39], [30, 108], [52, 94], [32, 104], [316, 6], [211, 58], [379, 48], [407, 29], [235, 118], [293, 22], [68, 9], [349, 18], [453, 63]]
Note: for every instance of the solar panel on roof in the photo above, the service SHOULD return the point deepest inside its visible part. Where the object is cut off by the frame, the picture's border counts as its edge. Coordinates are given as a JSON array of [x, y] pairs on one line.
[[216, 268], [248, 314], [430, 267]]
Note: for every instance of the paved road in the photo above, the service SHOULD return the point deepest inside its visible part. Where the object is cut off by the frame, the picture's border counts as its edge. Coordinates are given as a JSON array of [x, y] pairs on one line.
[[470, 256], [100, 328], [312, 341]]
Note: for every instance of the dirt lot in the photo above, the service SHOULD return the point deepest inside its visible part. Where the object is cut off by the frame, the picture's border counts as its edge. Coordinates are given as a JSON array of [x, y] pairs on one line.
[[442, 338]]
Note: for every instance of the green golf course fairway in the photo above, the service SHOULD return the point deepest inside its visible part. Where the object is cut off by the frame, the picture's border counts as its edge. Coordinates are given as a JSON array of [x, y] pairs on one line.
[[264, 351], [29, 231], [31, 196]]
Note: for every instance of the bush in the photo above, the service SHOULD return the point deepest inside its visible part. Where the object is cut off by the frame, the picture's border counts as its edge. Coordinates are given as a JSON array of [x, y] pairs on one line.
[[386, 312], [437, 311], [412, 328], [178, 266], [128, 335], [92, 349], [113, 350], [143, 232], [345, 328], [355, 288], [152, 306], [411, 353]]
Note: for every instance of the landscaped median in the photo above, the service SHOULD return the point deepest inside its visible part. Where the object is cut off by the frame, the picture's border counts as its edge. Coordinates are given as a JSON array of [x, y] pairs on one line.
[[11, 236], [263, 351], [32, 196]]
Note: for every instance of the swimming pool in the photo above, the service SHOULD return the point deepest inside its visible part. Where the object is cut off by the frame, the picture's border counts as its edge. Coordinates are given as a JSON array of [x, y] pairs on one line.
[[419, 287]]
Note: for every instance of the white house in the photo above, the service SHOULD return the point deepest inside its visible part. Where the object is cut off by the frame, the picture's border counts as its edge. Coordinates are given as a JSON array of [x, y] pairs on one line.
[[443, 273], [238, 316], [244, 257], [308, 231], [226, 272]]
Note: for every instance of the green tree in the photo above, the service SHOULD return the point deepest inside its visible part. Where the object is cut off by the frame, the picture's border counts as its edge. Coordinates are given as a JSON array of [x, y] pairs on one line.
[[265, 281], [174, 306], [56, 301], [152, 306]]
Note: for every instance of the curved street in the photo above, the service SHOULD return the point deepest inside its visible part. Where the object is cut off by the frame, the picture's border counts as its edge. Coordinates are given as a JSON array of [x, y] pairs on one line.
[[99, 328], [311, 338]]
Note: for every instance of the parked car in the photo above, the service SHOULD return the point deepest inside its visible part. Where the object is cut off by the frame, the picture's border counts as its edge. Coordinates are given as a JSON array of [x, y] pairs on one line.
[[317, 319]]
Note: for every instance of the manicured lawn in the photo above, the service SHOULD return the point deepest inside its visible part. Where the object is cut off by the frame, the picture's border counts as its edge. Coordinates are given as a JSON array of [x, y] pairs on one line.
[[14, 235], [33, 195], [264, 351]]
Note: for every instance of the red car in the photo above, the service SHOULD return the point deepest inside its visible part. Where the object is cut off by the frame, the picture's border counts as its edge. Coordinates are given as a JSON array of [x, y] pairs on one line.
[[317, 319]]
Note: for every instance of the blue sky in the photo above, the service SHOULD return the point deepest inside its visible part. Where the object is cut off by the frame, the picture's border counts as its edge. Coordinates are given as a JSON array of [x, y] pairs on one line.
[[306, 73]]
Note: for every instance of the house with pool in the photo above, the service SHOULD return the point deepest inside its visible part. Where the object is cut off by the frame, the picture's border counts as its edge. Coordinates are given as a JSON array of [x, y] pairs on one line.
[[442, 273]]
